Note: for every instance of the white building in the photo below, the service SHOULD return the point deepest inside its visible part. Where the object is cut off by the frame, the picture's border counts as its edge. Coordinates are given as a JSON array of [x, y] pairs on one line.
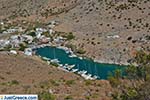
[[28, 52], [13, 52], [27, 38]]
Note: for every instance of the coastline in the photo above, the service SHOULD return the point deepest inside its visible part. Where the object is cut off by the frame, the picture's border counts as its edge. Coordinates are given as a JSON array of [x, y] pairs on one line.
[[111, 62], [104, 61]]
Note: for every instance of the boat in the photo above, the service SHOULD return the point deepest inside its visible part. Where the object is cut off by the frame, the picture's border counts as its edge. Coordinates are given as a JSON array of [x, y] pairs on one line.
[[72, 55], [69, 67], [60, 65], [63, 69], [55, 60], [66, 64], [74, 70], [89, 77], [95, 77], [45, 58], [48, 62], [81, 58], [82, 72]]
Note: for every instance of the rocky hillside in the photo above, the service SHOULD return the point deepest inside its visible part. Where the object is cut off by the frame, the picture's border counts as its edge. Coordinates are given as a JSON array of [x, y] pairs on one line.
[[26, 75], [25, 8], [115, 29]]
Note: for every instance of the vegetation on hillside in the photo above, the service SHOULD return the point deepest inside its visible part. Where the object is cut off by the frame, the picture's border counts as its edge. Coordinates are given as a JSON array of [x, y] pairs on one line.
[[136, 84]]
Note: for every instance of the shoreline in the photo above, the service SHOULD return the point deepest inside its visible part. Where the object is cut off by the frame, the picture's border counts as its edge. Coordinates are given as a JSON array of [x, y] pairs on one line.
[[111, 62], [79, 56]]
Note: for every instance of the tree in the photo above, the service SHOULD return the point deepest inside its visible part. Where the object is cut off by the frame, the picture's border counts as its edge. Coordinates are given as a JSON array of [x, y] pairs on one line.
[[70, 36], [138, 77], [118, 74]]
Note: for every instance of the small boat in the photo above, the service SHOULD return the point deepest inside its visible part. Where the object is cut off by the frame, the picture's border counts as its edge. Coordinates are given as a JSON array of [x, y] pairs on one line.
[[45, 58], [82, 72], [72, 55], [60, 65], [81, 58], [95, 77], [63, 69], [55, 60], [69, 67], [88, 77], [48, 62], [74, 70], [67, 51]]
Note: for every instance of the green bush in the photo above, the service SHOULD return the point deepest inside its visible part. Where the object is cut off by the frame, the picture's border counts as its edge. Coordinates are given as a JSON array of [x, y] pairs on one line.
[[81, 51], [54, 64], [68, 97], [55, 83], [70, 82], [14, 82], [88, 82], [70, 36], [22, 47], [46, 96], [113, 81]]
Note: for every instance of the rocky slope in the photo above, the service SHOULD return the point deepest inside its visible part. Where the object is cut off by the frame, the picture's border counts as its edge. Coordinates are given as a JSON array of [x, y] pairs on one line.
[[26, 75], [25, 8], [114, 29]]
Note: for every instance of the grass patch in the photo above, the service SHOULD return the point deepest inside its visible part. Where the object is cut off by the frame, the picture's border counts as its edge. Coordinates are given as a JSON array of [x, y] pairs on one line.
[[70, 36], [11, 83], [46, 96], [70, 82]]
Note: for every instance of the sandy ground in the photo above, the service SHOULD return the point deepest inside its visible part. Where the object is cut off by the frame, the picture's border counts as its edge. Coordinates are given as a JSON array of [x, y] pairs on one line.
[[34, 76], [92, 21]]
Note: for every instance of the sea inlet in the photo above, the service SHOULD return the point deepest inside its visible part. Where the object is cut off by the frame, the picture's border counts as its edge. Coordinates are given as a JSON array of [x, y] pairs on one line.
[[79, 65]]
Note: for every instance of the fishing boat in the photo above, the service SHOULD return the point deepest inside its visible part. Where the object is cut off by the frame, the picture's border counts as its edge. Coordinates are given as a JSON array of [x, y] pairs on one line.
[[95, 77], [74, 70], [55, 60], [48, 62], [45, 58], [81, 58], [60, 65], [70, 67], [96, 73], [72, 55], [87, 76], [63, 69], [82, 72]]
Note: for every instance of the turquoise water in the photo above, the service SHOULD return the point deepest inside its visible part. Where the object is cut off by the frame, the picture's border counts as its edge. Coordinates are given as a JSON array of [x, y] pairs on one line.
[[100, 69]]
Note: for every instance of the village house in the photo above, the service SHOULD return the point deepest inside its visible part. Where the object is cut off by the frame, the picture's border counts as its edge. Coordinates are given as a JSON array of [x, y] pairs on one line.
[[39, 31], [27, 38], [15, 40], [13, 30], [44, 40], [28, 51], [59, 40], [52, 24], [13, 52], [4, 43]]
